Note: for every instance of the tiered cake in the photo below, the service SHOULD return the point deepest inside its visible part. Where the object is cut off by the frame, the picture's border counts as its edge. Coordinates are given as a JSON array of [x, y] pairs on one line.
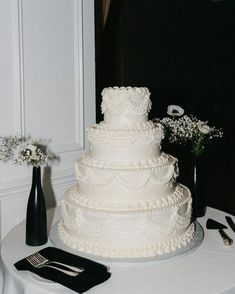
[[127, 202]]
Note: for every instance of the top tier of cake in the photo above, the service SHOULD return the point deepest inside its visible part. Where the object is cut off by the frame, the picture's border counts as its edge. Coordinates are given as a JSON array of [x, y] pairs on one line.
[[125, 106]]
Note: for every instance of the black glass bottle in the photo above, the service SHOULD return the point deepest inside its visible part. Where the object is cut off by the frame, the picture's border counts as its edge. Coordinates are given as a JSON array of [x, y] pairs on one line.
[[196, 187], [36, 218]]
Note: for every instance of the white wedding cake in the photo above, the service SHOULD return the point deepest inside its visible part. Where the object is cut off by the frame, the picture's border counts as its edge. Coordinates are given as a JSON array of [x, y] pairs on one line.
[[127, 202]]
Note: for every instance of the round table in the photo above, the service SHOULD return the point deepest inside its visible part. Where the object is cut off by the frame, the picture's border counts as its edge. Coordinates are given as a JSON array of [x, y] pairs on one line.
[[210, 269]]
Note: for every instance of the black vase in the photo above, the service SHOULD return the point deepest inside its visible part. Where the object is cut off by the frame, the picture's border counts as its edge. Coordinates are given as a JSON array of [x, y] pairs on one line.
[[36, 219], [196, 187]]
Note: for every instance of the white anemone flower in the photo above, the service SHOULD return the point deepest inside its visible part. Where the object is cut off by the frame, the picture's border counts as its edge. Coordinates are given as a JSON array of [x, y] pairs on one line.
[[203, 127], [175, 110], [17, 153], [31, 152]]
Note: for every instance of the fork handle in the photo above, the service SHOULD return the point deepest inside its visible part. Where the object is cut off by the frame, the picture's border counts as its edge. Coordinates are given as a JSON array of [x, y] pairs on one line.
[[73, 268], [69, 273], [227, 240]]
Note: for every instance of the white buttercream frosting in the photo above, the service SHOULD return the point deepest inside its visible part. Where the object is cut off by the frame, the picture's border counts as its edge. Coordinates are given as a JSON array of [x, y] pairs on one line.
[[127, 202], [130, 144], [127, 234], [125, 105]]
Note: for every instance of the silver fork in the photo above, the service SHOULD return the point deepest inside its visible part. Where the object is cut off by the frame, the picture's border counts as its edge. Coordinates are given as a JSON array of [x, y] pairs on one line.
[[44, 260], [38, 264]]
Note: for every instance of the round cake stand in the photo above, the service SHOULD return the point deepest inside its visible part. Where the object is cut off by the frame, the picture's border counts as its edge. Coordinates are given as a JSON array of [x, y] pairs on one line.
[[188, 249]]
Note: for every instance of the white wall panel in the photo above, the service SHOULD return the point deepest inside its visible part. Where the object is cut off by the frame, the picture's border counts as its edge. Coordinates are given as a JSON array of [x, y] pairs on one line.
[[50, 69], [51, 80], [48, 92]]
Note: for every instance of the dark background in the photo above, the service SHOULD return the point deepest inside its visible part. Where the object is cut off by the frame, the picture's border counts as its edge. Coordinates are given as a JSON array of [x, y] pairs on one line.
[[184, 52]]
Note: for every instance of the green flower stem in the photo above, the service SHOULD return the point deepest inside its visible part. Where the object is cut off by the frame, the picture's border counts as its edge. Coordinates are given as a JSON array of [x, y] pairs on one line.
[[198, 147]]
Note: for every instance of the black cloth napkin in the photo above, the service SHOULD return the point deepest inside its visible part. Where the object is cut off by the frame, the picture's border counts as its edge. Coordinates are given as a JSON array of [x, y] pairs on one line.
[[94, 273]]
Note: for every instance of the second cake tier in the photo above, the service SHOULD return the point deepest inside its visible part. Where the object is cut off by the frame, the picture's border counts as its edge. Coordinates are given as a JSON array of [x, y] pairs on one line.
[[140, 185], [136, 143]]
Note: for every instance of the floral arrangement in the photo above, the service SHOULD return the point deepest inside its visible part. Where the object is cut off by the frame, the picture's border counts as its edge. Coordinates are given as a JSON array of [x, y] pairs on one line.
[[23, 150], [183, 129]]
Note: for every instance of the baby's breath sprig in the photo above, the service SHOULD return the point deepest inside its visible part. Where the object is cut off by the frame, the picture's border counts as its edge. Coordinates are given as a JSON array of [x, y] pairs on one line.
[[23, 150], [184, 129]]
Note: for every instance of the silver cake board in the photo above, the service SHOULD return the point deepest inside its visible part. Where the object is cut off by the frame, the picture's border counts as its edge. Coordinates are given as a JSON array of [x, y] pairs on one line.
[[188, 249]]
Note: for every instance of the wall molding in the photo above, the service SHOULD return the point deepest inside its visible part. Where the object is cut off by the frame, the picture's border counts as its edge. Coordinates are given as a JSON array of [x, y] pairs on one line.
[[18, 67], [19, 80], [12, 187], [79, 73]]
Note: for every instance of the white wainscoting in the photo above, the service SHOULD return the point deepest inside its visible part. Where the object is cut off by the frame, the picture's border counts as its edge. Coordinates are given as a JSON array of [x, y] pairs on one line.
[[47, 62]]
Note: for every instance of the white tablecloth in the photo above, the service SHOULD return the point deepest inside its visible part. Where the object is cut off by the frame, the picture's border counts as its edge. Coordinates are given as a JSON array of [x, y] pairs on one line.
[[208, 270]]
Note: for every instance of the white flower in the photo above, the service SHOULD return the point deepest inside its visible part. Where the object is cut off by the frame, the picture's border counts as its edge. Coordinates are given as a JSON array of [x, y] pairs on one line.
[[188, 130], [22, 150], [175, 110], [18, 151], [31, 152], [201, 122], [203, 127]]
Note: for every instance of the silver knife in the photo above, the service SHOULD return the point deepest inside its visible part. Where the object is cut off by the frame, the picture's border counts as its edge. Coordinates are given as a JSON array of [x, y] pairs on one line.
[[230, 222]]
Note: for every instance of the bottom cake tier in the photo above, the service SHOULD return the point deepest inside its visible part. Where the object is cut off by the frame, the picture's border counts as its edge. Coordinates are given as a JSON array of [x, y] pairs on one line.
[[127, 234]]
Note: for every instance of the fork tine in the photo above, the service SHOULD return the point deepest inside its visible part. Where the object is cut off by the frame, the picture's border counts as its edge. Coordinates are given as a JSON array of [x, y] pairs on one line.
[[31, 260], [34, 260], [40, 257]]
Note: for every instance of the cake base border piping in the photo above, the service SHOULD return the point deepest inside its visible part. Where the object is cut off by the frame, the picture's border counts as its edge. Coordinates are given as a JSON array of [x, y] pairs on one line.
[[192, 244]]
